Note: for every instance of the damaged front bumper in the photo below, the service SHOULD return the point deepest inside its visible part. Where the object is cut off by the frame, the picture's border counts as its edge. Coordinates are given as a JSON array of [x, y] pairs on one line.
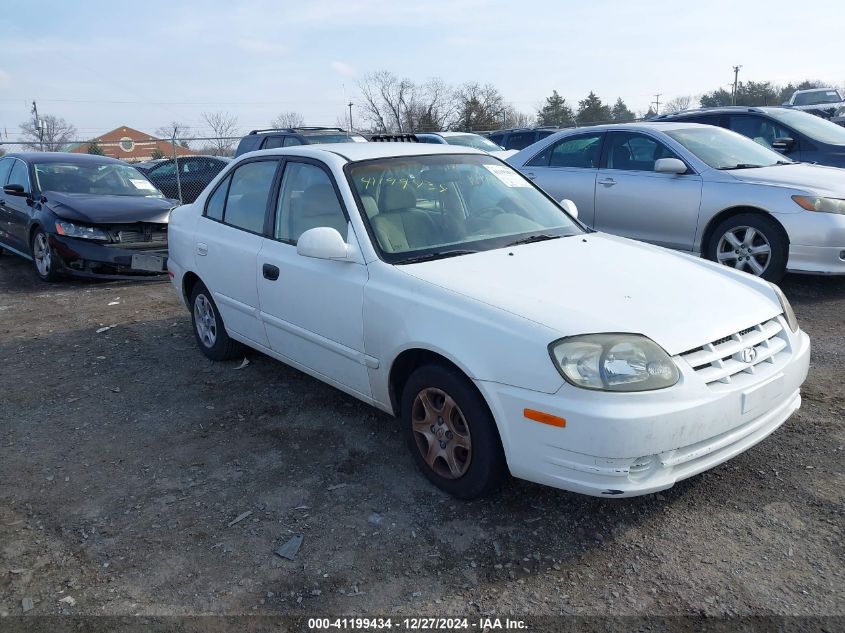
[[84, 258]]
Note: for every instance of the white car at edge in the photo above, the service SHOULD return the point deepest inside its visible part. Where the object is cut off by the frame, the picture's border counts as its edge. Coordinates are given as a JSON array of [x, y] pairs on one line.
[[438, 284]]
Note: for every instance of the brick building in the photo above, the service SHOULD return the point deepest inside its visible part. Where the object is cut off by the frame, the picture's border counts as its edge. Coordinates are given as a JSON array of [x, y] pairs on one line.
[[131, 145]]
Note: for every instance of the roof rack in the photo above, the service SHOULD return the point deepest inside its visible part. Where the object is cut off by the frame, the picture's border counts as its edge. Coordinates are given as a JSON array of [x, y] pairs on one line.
[[298, 129], [395, 138], [731, 108]]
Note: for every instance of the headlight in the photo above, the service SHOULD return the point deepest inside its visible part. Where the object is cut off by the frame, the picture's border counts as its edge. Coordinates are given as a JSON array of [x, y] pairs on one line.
[[821, 205], [614, 362], [69, 229], [788, 313]]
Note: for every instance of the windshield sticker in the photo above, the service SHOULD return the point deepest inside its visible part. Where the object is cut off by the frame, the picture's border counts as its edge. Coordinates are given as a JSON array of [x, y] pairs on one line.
[[142, 184], [508, 176]]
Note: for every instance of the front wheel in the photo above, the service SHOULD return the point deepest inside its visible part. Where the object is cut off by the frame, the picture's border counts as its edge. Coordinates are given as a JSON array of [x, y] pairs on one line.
[[451, 433], [209, 330], [43, 257], [752, 243]]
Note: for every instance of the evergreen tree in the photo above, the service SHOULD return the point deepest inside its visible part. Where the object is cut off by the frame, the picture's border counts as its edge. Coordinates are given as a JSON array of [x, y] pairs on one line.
[[556, 112], [592, 110], [620, 111], [94, 148]]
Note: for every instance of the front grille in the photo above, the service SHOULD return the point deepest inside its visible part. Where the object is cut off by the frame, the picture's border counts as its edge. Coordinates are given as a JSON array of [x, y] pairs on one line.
[[740, 353], [142, 233]]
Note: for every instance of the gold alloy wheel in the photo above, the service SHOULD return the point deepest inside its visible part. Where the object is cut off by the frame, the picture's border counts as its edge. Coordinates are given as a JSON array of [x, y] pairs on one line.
[[441, 433]]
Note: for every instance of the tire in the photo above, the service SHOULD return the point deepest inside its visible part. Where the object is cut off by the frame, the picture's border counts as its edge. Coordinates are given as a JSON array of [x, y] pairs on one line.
[[443, 399], [43, 258], [769, 244], [209, 330]]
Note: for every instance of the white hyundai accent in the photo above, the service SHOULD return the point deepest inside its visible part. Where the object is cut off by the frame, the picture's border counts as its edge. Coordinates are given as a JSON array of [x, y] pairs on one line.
[[439, 285]]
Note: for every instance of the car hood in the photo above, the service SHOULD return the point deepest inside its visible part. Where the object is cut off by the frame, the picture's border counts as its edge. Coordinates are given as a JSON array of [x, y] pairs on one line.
[[596, 283], [97, 209], [820, 178]]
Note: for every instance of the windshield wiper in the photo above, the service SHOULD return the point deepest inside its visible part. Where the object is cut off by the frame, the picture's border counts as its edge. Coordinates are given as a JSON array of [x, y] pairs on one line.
[[436, 255], [540, 237], [740, 166]]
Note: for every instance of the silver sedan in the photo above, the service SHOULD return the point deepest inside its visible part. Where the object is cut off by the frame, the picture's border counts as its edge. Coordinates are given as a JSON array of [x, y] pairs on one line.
[[698, 188]]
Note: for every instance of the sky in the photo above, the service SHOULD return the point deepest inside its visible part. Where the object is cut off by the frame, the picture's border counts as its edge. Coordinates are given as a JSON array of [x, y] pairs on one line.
[[101, 64]]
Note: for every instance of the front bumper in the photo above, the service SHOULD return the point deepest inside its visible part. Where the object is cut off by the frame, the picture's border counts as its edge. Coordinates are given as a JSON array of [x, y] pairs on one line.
[[84, 258], [637, 443], [816, 260]]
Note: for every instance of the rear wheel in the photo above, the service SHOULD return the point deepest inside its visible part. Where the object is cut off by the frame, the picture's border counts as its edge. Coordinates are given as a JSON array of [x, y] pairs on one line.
[[43, 257], [209, 330], [451, 432], [750, 242]]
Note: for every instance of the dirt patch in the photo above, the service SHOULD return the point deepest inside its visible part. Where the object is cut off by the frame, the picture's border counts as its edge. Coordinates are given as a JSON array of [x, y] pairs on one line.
[[125, 455]]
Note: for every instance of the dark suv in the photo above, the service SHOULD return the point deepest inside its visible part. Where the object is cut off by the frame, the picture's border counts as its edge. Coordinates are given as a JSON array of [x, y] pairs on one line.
[[798, 135], [285, 137], [520, 138]]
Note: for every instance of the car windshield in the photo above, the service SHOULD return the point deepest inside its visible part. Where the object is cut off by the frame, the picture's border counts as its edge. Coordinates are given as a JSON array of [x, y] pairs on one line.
[[816, 128], [473, 140], [102, 179], [426, 207], [723, 149], [816, 97], [340, 137]]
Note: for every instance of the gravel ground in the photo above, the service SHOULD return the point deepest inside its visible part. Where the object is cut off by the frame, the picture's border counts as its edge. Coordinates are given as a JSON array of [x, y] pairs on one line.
[[126, 459]]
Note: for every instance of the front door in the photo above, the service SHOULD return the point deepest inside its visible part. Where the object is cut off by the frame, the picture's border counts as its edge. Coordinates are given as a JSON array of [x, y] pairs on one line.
[[634, 201], [18, 209], [312, 308], [228, 238]]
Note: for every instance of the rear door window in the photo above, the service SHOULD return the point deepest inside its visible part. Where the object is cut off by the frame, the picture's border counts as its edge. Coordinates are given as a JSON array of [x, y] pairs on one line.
[[573, 151], [249, 190], [5, 168], [635, 152], [520, 140]]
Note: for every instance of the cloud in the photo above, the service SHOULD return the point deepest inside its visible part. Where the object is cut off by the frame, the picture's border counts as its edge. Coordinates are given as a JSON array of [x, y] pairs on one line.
[[343, 68]]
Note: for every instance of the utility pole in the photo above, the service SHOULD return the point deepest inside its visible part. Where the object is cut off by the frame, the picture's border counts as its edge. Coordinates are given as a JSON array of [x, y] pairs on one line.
[[350, 117], [736, 82], [39, 126], [656, 102]]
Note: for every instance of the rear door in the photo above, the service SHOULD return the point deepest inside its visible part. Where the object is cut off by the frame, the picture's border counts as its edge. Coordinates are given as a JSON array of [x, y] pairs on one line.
[[634, 201], [228, 238], [313, 308], [567, 169]]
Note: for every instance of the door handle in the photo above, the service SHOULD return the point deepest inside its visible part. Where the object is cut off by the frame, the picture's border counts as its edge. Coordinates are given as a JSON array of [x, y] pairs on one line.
[[607, 182], [530, 176], [270, 272], [202, 249]]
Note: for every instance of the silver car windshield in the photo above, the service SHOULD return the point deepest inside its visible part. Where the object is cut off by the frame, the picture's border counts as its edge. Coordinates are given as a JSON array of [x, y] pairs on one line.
[[426, 207], [472, 140], [815, 127], [722, 149]]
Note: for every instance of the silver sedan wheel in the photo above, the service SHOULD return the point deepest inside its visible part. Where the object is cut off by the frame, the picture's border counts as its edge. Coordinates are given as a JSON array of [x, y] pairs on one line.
[[205, 321], [744, 248], [41, 254]]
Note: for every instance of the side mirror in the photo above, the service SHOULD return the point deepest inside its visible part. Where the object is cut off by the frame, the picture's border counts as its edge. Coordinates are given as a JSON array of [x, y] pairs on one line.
[[15, 190], [783, 144], [670, 166], [322, 242], [569, 207]]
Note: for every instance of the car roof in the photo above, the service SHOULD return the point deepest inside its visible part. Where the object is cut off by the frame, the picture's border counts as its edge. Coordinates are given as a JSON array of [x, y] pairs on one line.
[[816, 90], [365, 151], [640, 126], [62, 157], [721, 109]]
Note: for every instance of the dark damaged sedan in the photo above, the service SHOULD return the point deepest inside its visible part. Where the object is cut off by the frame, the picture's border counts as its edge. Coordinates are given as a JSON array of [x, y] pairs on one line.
[[82, 215]]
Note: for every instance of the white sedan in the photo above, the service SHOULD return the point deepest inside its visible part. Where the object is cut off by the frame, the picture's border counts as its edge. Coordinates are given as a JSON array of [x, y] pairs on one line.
[[441, 286]]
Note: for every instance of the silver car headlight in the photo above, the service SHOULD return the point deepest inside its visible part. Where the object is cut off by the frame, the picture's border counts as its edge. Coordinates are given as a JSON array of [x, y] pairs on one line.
[[820, 205], [788, 313], [614, 362], [69, 229]]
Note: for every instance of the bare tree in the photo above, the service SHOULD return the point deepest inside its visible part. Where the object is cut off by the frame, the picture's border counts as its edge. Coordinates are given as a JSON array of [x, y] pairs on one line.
[[479, 107], [515, 118], [677, 104], [174, 130], [288, 119], [54, 135], [385, 101], [224, 129]]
